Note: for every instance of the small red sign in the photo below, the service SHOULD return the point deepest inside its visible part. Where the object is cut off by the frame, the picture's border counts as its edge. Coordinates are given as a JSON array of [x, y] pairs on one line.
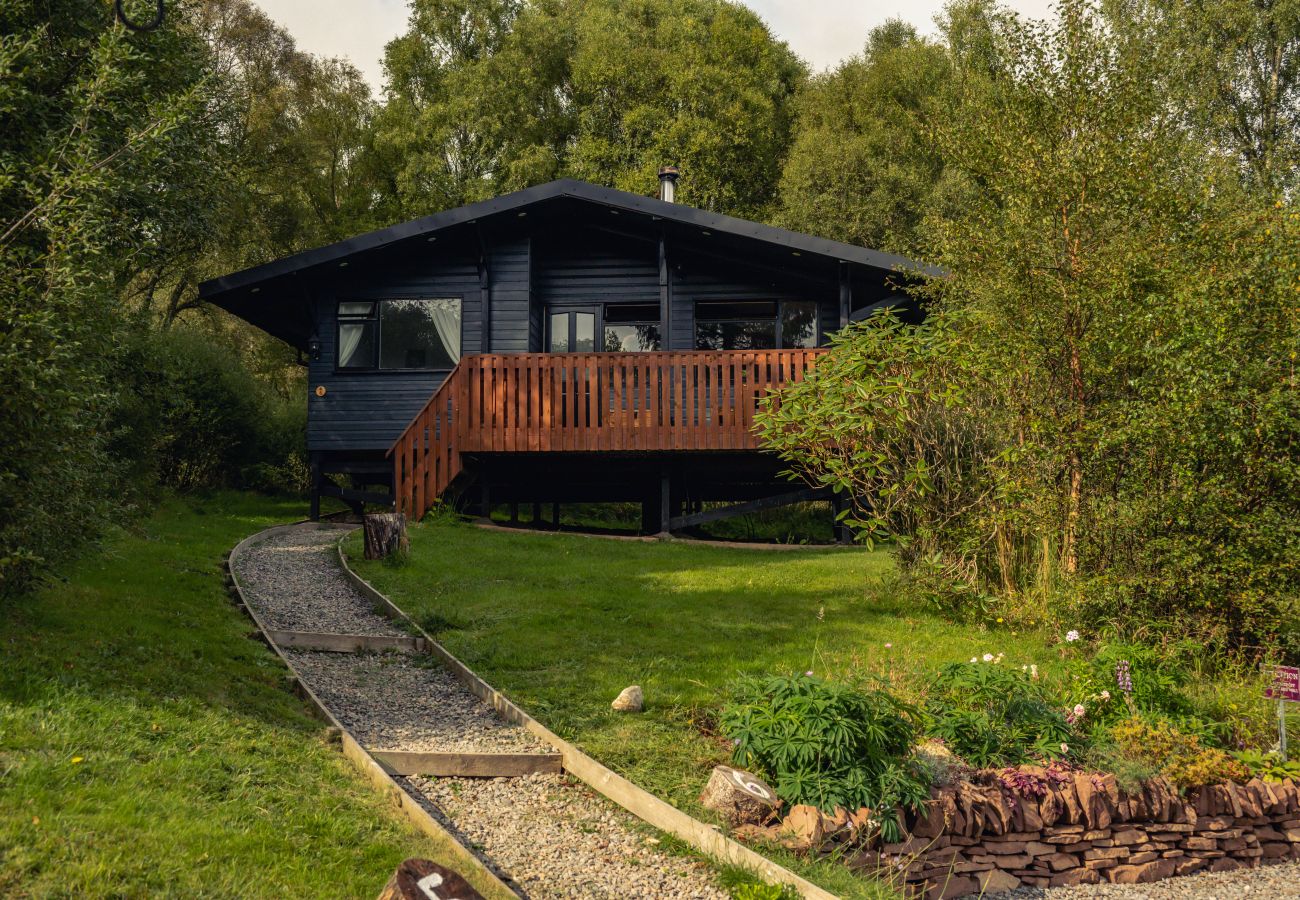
[[1286, 684]]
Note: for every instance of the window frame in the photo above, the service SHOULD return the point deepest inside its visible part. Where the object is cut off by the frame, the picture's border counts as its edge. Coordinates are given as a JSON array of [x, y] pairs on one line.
[[656, 321], [779, 321], [376, 320]]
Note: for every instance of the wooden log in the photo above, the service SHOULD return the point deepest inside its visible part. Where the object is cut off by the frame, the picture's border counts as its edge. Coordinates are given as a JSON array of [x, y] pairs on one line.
[[741, 798], [469, 765], [385, 534], [421, 879], [342, 643]]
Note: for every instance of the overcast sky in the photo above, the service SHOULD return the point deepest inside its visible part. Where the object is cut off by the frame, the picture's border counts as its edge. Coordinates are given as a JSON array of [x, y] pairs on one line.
[[821, 31]]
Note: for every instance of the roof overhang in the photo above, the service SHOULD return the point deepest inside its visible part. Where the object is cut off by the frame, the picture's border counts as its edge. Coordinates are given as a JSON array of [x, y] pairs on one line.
[[238, 292]]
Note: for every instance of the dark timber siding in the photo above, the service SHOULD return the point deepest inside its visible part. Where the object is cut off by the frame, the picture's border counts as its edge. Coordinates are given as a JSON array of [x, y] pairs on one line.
[[508, 263], [368, 410], [597, 268]]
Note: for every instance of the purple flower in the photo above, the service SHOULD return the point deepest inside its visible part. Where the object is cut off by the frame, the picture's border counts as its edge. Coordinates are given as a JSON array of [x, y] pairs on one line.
[[1123, 677]]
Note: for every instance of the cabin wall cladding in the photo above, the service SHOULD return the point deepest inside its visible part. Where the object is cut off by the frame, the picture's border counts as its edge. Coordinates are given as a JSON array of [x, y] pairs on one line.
[[1081, 829], [368, 410]]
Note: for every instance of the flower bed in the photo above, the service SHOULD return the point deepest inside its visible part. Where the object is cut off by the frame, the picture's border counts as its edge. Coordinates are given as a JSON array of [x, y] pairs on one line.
[[1116, 767], [1049, 827]]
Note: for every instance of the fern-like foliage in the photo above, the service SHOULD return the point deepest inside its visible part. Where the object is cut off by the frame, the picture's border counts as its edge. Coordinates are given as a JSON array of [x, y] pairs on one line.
[[828, 744], [995, 715]]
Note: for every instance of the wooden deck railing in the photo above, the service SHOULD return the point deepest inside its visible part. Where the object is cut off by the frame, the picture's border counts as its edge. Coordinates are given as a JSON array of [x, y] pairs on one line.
[[585, 402]]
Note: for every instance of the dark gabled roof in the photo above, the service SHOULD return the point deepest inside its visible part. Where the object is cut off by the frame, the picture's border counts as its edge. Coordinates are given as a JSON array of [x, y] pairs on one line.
[[543, 193]]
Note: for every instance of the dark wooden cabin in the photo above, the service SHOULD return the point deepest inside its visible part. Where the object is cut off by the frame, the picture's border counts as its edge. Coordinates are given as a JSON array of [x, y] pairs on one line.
[[566, 343]]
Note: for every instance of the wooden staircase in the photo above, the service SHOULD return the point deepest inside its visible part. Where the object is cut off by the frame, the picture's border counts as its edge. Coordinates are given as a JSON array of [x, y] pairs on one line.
[[585, 403]]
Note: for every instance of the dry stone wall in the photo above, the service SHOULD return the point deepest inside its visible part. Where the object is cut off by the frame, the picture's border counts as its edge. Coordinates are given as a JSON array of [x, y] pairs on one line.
[[1080, 828]]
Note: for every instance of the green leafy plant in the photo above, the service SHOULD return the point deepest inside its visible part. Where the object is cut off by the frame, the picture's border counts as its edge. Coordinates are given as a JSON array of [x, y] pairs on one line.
[[828, 744], [991, 714], [1268, 766], [1177, 755], [758, 891]]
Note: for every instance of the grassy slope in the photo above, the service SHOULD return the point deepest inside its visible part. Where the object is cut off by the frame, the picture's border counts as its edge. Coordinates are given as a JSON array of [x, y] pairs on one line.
[[562, 623], [200, 773]]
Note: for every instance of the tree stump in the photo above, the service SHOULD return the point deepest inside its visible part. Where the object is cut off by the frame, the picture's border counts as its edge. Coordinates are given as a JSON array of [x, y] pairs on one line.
[[385, 534], [420, 879], [741, 798]]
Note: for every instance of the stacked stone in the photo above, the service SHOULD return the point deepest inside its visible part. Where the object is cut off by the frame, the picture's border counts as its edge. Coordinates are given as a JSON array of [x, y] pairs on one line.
[[973, 838]]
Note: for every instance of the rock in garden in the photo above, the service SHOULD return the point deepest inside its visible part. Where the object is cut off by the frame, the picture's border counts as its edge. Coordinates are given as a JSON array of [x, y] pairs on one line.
[[420, 879], [630, 700], [802, 828], [739, 797]]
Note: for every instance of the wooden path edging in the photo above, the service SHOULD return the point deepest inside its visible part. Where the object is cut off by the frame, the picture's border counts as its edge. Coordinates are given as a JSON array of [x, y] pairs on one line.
[[489, 525], [634, 799], [446, 844], [328, 642], [469, 765]]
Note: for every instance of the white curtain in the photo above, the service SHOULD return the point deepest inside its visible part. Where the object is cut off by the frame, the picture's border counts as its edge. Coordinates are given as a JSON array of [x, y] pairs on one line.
[[446, 319], [349, 339]]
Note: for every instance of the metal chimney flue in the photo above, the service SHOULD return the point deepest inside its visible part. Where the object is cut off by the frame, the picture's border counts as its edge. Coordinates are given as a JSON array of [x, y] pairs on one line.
[[668, 176]]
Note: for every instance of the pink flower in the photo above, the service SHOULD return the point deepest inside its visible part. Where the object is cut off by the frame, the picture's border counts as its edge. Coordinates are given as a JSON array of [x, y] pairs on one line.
[[1065, 748], [1078, 710], [889, 646], [808, 674]]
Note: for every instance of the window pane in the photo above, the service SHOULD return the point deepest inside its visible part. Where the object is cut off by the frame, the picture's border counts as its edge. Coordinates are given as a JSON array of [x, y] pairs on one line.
[[641, 313], [799, 323], [584, 332], [356, 309], [419, 334], [559, 333], [631, 338], [729, 335], [356, 345], [713, 310]]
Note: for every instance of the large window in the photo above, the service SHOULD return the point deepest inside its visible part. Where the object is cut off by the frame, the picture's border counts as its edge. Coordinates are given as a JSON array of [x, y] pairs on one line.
[[755, 324], [631, 327], [608, 327], [409, 333]]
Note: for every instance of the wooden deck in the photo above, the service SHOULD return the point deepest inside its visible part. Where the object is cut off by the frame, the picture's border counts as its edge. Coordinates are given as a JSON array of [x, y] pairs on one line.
[[586, 403]]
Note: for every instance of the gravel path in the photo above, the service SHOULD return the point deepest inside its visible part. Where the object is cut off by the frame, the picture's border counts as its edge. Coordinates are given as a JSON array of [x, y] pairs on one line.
[[293, 580], [553, 838], [392, 701], [548, 835], [1279, 881]]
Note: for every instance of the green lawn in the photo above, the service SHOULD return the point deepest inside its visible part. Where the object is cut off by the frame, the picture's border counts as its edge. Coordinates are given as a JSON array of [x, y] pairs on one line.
[[562, 623], [149, 748]]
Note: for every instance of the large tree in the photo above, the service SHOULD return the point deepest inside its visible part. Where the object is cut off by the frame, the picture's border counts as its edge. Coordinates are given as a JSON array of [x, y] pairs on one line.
[[487, 96], [1103, 410], [96, 127], [862, 168]]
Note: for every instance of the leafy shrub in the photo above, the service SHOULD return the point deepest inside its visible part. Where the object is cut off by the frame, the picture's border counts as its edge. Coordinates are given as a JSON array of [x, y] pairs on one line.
[[1118, 680], [1268, 766], [827, 744], [991, 714], [199, 419], [1178, 756], [757, 891]]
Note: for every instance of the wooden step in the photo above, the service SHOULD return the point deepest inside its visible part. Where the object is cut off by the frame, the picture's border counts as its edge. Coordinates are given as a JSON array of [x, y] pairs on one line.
[[468, 764], [343, 643]]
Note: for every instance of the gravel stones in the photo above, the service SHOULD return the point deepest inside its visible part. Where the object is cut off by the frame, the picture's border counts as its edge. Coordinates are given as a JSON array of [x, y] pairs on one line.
[[551, 836], [293, 579], [1272, 882], [392, 701], [554, 838]]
